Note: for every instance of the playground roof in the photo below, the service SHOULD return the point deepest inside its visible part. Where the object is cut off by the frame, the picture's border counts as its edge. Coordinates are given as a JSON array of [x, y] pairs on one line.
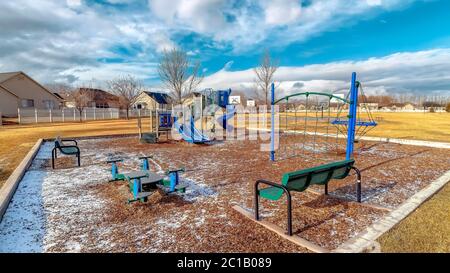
[[160, 98]]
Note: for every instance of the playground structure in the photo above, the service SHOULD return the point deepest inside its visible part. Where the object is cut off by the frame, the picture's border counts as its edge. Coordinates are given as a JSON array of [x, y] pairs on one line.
[[202, 119], [325, 112], [160, 123], [196, 122]]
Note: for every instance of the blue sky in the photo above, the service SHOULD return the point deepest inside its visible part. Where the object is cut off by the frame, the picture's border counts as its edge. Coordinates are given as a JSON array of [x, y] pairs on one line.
[[392, 44]]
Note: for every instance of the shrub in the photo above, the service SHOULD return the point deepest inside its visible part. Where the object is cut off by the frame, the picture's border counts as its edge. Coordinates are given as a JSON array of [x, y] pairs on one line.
[[447, 108]]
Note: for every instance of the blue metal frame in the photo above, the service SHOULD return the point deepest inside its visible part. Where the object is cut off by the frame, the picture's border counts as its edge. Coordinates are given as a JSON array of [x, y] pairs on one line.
[[352, 111], [165, 120], [272, 121], [145, 165], [351, 122]]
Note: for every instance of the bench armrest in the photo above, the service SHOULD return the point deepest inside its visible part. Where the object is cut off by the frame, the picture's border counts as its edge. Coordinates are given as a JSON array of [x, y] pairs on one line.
[[270, 183]]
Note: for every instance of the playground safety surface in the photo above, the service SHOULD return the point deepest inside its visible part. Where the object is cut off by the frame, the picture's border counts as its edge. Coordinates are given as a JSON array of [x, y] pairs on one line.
[[76, 209]]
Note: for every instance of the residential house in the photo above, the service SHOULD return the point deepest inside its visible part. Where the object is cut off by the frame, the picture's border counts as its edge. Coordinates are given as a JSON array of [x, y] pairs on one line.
[[370, 106], [399, 107], [152, 100], [99, 99], [18, 90]]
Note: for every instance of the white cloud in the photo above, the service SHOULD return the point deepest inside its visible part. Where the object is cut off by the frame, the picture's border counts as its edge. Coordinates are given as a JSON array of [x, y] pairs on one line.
[[73, 3], [52, 39], [280, 12], [407, 72], [246, 24]]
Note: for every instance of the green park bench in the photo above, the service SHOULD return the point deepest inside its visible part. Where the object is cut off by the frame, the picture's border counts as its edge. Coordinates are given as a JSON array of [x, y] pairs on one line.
[[300, 180], [65, 149]]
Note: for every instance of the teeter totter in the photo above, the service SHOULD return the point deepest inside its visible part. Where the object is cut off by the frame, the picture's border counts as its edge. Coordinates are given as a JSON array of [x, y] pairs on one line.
[[299, 181], [144, 183]]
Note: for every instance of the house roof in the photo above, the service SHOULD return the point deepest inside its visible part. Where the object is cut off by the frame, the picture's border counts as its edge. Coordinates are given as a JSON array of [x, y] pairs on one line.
[[161, 98], [8, 75], [58, 95], [99, 95]]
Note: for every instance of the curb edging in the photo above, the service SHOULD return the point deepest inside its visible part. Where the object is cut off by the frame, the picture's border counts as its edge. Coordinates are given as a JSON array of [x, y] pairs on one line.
[[9, 188], [365, 240]]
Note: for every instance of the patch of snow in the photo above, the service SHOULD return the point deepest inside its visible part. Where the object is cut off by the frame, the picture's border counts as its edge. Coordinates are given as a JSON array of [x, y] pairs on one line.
[[23, 226]]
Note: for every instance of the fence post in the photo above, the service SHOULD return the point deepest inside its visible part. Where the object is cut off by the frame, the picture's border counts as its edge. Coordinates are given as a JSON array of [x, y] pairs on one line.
[[95, 116], [50, 115], [18, 115], [85, 114], [103, 112], [1, 119], [62, 115], [36, 115]]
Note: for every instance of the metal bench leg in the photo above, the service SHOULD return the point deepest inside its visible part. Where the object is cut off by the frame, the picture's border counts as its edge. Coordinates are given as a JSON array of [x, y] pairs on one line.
[[53, 158], [79, 160], [326, 189], [256, 200], [289, 213], [358, 184]]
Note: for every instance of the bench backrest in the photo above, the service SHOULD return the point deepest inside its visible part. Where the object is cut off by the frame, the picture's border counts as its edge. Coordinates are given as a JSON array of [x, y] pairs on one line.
[[320, 175], [58, 143]]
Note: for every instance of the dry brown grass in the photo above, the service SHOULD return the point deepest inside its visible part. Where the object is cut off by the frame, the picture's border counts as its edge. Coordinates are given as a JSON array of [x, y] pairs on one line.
[[423, 126], [426, 230]]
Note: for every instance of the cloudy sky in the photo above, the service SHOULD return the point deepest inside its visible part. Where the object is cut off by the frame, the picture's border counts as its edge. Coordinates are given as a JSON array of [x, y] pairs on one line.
[[396, 46]]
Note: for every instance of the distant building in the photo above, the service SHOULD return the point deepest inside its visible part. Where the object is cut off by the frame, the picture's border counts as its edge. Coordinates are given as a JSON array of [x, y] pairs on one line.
[[152, 101], [399, 107], [99, 99], [18, 90], [369, 106]]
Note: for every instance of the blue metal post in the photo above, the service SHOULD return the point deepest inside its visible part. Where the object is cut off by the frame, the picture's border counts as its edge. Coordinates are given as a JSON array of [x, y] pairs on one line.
[[136, 186], [352, 117], [174, 177], [192, 129], [272, 121], [145, 165], [114, 171]]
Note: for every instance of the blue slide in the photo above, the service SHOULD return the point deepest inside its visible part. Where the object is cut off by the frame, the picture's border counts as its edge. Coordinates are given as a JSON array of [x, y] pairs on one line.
[[190, 134], [223, 120]]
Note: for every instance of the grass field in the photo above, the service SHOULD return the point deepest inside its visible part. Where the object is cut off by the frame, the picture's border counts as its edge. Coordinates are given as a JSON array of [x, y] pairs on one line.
[[424, 230], [423, 126]]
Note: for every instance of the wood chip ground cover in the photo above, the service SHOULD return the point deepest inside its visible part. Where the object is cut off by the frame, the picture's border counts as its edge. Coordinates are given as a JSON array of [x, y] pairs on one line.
[[76, 210]]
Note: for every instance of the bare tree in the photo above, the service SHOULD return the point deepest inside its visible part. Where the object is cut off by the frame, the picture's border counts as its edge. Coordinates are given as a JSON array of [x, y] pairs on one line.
[[178, 74], [82, 98], [127, 88], [264, 75]]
